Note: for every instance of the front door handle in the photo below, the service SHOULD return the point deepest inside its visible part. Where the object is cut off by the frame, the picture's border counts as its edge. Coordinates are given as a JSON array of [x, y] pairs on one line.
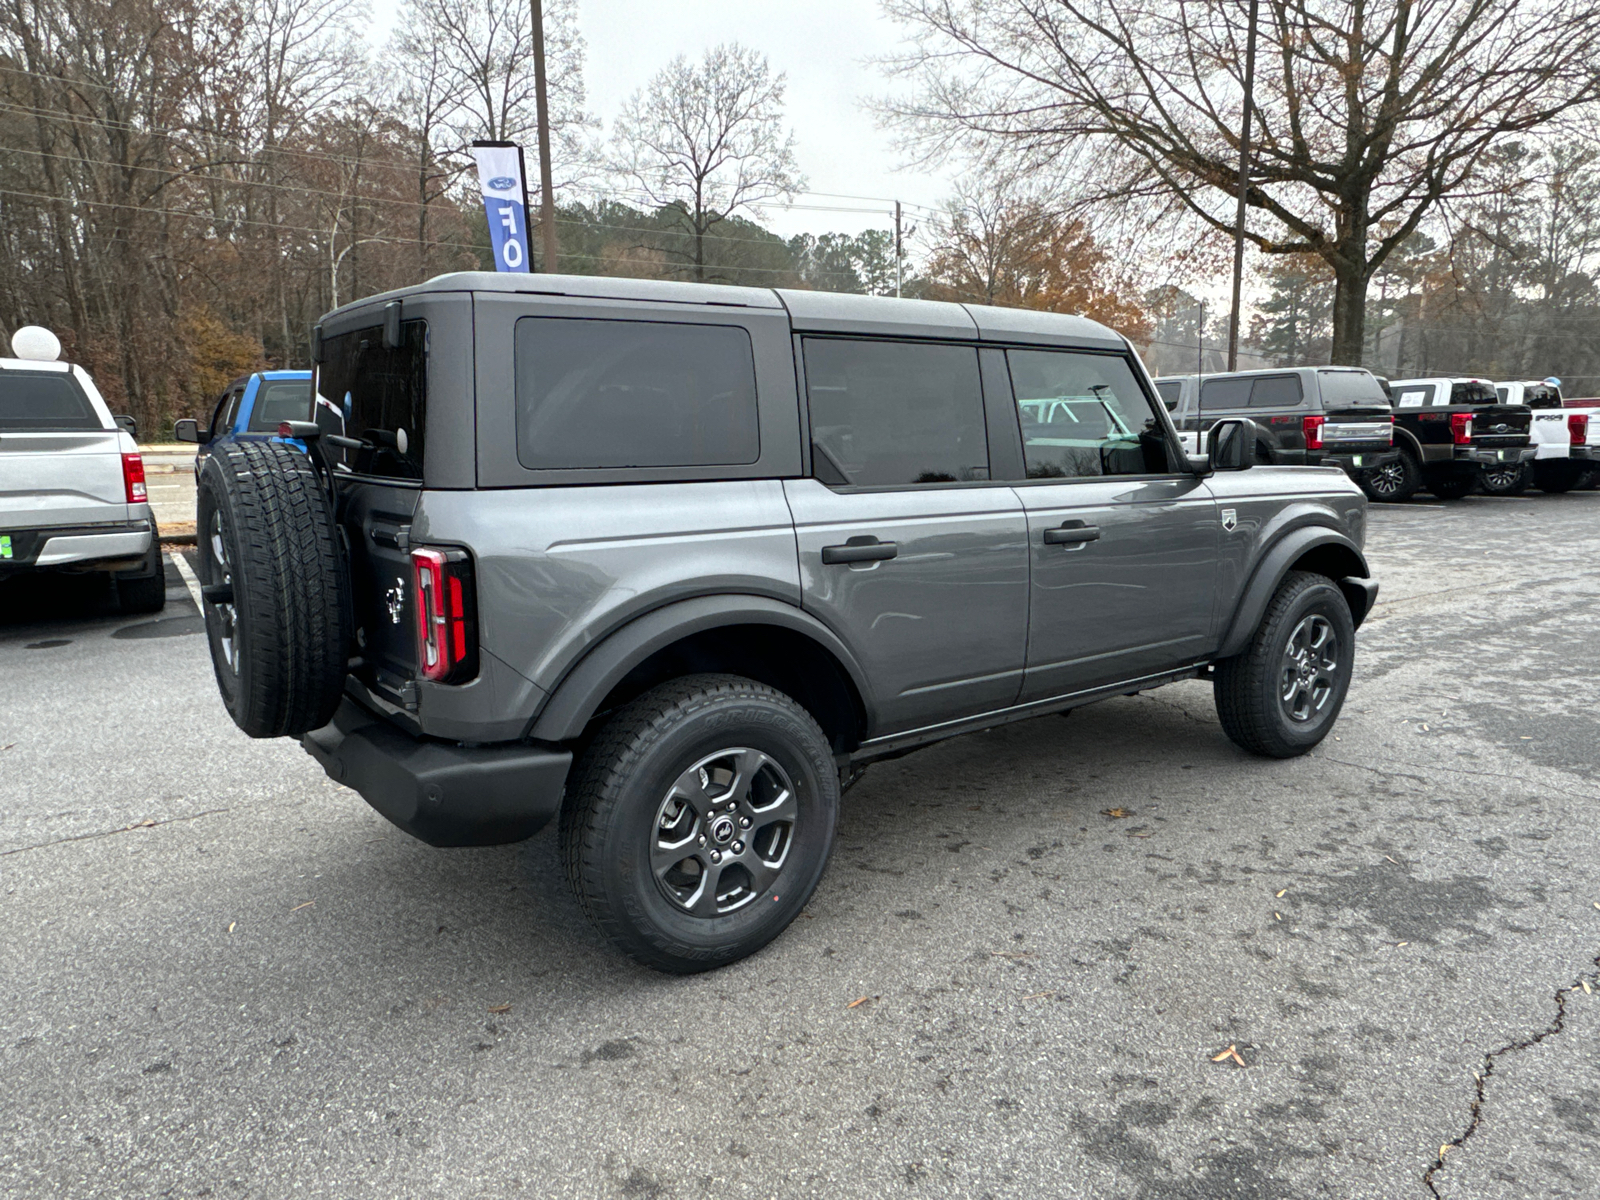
[[858, 550], [1072, 534]]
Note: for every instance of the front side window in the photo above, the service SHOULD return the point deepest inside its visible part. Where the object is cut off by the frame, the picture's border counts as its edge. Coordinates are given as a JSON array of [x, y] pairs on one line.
[[279, 400], [380, 393], [593, 394], [1084, 415], [887, 414]]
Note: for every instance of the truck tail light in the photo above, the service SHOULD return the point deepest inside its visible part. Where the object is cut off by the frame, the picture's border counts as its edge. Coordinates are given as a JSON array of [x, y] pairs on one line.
[[1578, 428], [1461, 428], [133, 479], [447, 633], [1312, 428]]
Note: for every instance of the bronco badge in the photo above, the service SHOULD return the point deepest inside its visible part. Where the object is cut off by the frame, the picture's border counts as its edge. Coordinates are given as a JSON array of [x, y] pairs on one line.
[[1230, 518]]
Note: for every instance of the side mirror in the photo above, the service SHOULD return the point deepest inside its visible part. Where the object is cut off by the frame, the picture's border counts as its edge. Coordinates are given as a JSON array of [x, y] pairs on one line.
[[187, 430], [128, 425], [1231, 445]]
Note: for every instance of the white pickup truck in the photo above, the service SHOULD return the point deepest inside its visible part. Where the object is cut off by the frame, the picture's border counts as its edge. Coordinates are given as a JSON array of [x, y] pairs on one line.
[[1567, 437], [72, 487]]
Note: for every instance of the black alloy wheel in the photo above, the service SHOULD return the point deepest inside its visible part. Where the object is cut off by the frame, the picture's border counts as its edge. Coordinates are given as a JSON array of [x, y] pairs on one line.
[[1394, 482], [1505, 479]]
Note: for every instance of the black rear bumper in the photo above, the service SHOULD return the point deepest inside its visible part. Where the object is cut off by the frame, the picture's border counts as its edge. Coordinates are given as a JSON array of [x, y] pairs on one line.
[[442, 793], [1352, 462]]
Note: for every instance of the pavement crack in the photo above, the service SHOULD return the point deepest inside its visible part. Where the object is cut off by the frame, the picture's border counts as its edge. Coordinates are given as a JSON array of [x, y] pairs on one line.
[[85, 837], [1481, 1077]]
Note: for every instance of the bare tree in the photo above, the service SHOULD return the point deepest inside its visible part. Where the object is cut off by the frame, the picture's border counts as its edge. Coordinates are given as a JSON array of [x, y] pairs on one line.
[[708, 138], [1367, 112]]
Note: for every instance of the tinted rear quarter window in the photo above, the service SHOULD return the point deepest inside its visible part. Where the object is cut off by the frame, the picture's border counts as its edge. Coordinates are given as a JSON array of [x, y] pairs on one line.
[[379, 391], [43, 402], [1342, 388], [594, 394], [895, 413], [1540, 396], [281, 400], [1217, 395], [1275, 391]]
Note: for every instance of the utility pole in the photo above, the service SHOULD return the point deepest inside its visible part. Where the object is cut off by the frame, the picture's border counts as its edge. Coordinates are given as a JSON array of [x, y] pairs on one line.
[[547, 195], [1244, 184], [899, 251], [1200, 342]]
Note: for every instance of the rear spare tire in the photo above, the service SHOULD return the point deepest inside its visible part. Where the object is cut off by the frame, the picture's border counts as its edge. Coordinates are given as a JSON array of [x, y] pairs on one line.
[[275, 586]]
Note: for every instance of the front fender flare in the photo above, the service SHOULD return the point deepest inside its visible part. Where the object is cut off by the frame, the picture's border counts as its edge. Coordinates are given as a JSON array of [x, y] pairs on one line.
[[1354, 581], [579, 694]]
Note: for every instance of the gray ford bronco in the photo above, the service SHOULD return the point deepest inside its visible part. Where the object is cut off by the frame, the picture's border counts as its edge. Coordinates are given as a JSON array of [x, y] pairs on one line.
[[674, 562]]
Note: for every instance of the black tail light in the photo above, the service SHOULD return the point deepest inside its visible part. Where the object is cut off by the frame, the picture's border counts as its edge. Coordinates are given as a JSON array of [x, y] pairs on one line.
[[447, 616]]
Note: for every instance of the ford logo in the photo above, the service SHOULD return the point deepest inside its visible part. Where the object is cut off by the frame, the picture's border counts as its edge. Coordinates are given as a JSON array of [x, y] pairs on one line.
[[1501, 428], [502, 183]]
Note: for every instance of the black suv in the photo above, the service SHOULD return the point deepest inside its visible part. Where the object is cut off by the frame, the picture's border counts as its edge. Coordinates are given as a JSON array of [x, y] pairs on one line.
[[1305, 416]]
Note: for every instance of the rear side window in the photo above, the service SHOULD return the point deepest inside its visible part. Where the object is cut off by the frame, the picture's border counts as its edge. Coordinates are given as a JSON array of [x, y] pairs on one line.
[[1220, 394], [894, 413], [593, 394], [1275, 391], [1340, 388], [43, 402], [1169, 393], [282, 400], [380, 393]]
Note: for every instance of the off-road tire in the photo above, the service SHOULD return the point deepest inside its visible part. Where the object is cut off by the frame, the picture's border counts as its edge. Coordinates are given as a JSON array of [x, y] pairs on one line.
[[1449, 487], [1505, 483], [146, 593], [609, 820], [1395, 483], [1556, 476], [1247, 686], [266, 509]]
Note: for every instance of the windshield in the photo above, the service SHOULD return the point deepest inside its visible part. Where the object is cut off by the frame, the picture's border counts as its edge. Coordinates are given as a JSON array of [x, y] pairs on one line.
[[43, 402]]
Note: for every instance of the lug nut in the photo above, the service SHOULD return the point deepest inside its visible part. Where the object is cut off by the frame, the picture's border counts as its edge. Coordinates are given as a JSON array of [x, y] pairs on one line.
[[731, 807], [716, 856], [744, 822], [738, 847], [702, 839]]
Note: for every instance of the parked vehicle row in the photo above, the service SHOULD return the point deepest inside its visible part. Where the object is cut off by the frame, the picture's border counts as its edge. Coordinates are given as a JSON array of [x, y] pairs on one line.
[[1442, 435]]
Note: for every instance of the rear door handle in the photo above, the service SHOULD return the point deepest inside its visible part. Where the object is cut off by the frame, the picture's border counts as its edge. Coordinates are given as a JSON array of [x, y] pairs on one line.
[[856, 550], [1072, 535]]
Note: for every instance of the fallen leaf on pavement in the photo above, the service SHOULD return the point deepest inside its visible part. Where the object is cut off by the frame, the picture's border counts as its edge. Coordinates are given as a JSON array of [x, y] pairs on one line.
[[1386, 858], [231, 924], [500, 1008], [1277, 916], [298, 907], [1443, 1150], [1587, 990], [858, 1001], [1039, 996], [1231, 1052], [1116, 813], [1281, 891]]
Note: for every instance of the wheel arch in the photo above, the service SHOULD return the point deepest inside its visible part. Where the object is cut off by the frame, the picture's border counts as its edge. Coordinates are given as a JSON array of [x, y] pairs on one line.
[[763, 639], [1404, 439], [1316, 548]]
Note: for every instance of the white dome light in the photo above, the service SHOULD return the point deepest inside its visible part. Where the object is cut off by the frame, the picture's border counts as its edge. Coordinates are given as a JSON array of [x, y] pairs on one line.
[[36, 343]]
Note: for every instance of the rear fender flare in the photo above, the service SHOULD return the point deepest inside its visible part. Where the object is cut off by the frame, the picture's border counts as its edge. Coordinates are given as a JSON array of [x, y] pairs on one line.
[[1404, 439], [579, 695], [1353, 579]]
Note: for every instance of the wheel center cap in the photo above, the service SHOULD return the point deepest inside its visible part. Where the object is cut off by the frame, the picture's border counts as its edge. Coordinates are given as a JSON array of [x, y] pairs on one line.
[[722, 830]]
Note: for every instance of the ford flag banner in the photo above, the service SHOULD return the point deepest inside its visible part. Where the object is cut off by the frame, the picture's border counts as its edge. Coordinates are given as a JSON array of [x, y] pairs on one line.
[[505, 200]]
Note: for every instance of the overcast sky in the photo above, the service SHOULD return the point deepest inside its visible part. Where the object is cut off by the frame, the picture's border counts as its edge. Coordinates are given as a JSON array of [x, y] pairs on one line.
[[822, 45]]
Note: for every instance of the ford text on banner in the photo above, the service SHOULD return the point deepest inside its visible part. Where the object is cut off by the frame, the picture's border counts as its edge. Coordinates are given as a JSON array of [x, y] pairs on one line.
[[505, 200]]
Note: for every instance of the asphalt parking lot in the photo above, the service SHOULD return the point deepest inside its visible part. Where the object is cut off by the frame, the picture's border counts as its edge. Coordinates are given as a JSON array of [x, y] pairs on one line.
[[222, 975]]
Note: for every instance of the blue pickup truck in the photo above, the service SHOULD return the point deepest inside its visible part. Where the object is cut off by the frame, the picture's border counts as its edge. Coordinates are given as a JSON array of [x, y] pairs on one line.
[[250, 410]]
